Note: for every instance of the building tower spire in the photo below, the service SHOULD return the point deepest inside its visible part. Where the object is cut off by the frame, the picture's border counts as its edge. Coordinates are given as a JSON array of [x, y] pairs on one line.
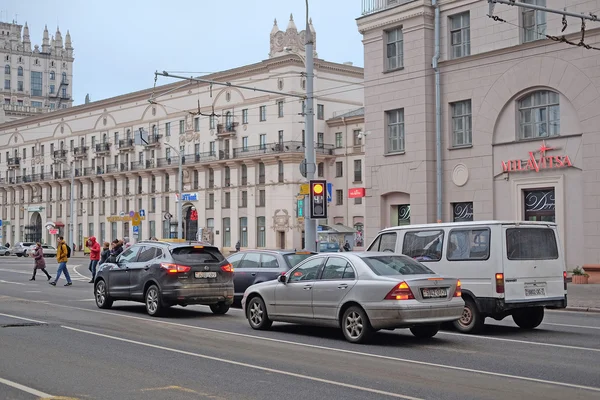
[[291, 25], [68, 45], [46, 41], [26, 39]]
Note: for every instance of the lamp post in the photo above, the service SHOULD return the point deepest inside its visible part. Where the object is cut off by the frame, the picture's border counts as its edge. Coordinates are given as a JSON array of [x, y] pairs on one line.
[[72, 203], [180, 191]]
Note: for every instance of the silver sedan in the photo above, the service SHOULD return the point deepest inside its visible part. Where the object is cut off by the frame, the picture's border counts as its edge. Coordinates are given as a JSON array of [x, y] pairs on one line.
[[359, 292]]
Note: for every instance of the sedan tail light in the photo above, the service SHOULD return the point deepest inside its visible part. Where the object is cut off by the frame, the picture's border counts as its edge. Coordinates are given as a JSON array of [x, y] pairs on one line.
[[175, 268], [400, 292], [227, 268], [458, 291], [499, 283]]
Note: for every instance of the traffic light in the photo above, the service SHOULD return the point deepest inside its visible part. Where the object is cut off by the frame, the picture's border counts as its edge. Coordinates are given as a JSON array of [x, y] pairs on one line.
[[318, 199]]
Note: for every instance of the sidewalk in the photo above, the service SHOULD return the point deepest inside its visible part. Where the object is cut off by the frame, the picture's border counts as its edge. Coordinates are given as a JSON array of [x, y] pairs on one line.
[[583, 297]]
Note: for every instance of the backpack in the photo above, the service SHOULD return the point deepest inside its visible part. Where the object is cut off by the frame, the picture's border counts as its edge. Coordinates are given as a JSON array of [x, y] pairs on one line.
[[68, 250]]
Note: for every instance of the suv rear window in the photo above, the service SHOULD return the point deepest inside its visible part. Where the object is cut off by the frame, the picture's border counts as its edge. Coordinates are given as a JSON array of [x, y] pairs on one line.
[[294, 259], [196, 254], [396, 265], [531, 244]]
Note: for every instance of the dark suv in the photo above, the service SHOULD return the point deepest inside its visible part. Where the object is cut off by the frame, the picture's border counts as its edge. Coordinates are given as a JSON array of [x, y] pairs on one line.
[[164, 274], [255, 266]]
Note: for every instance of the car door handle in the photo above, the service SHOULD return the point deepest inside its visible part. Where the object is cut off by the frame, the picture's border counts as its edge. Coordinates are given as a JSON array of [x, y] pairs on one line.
[[343, 286], [307, 287], [253, 274]]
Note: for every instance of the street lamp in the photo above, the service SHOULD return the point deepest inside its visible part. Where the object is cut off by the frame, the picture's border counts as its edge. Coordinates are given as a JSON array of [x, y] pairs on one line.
[[72, 207], [180, 191]]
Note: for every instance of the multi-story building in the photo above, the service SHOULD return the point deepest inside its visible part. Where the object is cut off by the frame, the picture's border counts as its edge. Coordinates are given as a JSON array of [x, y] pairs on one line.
[[35, 80], [241, 152], [518, 117]]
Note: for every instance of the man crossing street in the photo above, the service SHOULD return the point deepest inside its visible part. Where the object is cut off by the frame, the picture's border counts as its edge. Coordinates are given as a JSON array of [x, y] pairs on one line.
[[62, 256]]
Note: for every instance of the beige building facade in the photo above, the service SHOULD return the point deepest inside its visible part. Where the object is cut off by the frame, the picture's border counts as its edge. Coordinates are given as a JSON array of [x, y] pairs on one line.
[[520, 118], [241, 155]]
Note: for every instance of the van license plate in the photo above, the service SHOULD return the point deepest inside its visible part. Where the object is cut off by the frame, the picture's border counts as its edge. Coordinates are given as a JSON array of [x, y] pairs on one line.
[[535, 291], [434, 293], [205, 274]]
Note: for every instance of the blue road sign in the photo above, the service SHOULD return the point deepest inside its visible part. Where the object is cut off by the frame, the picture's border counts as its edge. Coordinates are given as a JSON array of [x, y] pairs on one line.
[[329, 192], [131, 213], [136, 229], [0, 222], [142, 213]]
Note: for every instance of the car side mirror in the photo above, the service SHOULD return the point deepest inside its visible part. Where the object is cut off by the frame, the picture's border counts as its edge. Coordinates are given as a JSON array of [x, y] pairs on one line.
[[282, 279]]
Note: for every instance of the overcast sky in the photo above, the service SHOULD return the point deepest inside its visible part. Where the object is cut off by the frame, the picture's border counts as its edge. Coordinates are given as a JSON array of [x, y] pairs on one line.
[[120, 43]]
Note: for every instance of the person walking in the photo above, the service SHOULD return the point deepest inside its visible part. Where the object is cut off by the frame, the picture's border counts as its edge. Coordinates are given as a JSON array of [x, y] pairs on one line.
[[105, 253], [62, 258], [94, 247], [237, 246], [39, 262]]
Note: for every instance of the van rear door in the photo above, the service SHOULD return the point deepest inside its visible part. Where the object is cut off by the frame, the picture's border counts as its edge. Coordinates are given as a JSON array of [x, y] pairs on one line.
[[533, 265]]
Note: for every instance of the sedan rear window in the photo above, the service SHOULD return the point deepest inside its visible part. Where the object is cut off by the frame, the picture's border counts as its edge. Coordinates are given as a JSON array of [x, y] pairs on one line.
[[531, 244], [396, 265], [295, 259], [194, 254]]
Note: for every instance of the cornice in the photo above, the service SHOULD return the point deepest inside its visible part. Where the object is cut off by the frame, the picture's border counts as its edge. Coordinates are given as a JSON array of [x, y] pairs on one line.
[[393, 16]]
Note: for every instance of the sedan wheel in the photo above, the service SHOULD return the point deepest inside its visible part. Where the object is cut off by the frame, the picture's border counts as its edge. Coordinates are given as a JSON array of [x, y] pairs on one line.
[[257, 314], [154, 304], [103, 300], [356, 326], [425, 331], [219, 308], [7, 254]]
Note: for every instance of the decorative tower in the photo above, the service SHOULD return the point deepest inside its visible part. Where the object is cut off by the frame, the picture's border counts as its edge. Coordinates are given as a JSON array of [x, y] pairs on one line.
[[26, 39], [58, 42], [68, 45], [291, 41], [46, 41]]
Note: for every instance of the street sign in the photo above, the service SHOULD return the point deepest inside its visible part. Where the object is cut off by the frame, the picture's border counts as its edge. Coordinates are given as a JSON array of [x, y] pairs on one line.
[[304, 189], [167, 215], [0, 222], [122, 213], [303, 168], [136, 229], [143, 213], [131, 213], [53, 231], [329, 192], [135, 219]]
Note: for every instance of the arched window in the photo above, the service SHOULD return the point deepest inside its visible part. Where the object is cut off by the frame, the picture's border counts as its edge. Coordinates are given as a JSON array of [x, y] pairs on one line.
[[20, 71], [280, 168], [7, 69], [228, 120], [64, 77], [539, 115], [52, 75], [154, 130]]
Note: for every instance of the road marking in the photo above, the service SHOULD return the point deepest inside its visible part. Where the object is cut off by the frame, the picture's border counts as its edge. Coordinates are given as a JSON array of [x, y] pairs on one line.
[[572, 326], [77, 272], [15, 271], [86, 300], [33, 291], [13, 283], [562, 346], [26, 389], [22, 318], [245, 365]]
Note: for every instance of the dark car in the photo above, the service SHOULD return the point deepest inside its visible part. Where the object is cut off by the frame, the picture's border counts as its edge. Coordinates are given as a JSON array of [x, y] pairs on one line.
[[164, 274], [255, 266]]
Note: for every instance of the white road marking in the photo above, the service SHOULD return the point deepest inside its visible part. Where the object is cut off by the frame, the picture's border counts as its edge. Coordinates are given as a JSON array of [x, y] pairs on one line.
[[13, 283], [80, 274], [26, 389], [245, 365], [33, 291], [572, 326], [22, 318], [562, 346], [86, 300], [16, 271]]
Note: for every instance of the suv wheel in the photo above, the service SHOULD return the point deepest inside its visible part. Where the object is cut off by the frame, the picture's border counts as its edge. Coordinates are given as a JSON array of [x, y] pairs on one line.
[[154, 303], [103, 300], [256, 312], [219, 308]]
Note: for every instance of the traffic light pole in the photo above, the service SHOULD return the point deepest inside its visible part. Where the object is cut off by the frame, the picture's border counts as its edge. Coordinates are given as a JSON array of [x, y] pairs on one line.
[[310, 225]]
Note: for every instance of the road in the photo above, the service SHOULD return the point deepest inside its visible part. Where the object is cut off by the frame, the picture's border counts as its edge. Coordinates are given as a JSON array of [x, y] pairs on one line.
[[56, 342]]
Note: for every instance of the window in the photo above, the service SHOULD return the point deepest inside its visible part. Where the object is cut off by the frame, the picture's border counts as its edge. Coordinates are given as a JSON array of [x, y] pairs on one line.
[[395, 131], [320, 140], [395, 265], [460, 35], [394, 49], [357, 171], [211, 178], [539, 115], [336, 269], [461, 124], [280, 138], [52, 89], [7, 84], [212, 148], [52, 75], [280, 108], [534, 21], [245, 143], [263, 141], [261, 173], [462, 212], [20, 86], [261, 234], [423, 245], [339, 197], [531, 244], [356, 137], [211, 201], [280, 171], [197, 124], [226, 232], [540, 205], [227, 200], [307, 271], [36, 104], [63, 93], [244, 232], [181, 126], [321, 170], [339, 169], [64, 77], [244, 174], [36, 83], [167, 129], [130, 254], [20, 71], [468, 244], [262, 198], [263, 113], [403, 214], [228, 121], [244, 199], [245, 116], [338, 140], [320, 111]]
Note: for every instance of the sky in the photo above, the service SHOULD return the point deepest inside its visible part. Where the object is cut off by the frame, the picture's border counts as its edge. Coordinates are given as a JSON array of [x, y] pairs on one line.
[[120, 43]]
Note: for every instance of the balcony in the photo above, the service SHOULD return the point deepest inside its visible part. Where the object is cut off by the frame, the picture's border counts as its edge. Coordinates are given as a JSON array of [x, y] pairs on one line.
[[80, 152], [374, 6], [22, 110], [14, 162], [59, 155], [153, 140], [279, 148], [137, 165], [225, 130], [102, 148], [126, 144], [89, 171]]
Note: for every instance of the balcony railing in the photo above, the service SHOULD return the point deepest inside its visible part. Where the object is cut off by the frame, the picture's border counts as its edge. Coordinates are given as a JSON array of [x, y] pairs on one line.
[[80, 151], [137, 165], [227, 129], [279, 147], [102, 147], [59, 154], [17, 108], [374, 6], [154, 139], [14, 161], [125, 144]]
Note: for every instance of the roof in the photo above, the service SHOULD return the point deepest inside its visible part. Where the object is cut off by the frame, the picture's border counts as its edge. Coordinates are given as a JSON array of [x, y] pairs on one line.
[[467, 224], [359, 112]]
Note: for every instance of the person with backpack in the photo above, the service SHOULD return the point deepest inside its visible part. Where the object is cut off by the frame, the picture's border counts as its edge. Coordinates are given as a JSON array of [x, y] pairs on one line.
[[63, 252]]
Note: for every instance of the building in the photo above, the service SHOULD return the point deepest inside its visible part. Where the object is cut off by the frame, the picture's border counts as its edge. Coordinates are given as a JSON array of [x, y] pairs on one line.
[[35, 80], [241, 155], [519, 121]]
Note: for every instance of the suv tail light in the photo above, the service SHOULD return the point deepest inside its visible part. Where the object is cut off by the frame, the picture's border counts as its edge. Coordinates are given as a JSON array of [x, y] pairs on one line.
[[400, 292], [458, 291], [499, 283], [175, 268], [227, 268], [565, 279]]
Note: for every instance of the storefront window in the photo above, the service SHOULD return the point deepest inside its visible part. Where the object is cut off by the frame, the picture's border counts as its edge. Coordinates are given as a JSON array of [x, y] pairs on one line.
[[462, 212], [540, 205], [358, 235]]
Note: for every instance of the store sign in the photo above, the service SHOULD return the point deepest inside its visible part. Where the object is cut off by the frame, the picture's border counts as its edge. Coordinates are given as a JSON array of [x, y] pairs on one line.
[[542, 161], [187, 197], [125, 218], [53, 231], [355, 193]]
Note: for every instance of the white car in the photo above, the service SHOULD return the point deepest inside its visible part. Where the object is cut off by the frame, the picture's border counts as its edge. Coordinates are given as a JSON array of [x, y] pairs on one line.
[[49, 251]]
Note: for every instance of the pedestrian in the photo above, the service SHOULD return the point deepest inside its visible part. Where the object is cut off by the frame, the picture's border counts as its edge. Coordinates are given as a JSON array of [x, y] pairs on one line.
[[94, 247], [117, 248], [237, 246], [105, 253], [39, 262], [347, 246], [62, 258]]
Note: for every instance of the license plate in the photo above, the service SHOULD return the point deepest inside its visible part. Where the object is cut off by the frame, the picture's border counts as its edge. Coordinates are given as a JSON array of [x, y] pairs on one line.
[[434, 293], [205, 274], [535, 291]]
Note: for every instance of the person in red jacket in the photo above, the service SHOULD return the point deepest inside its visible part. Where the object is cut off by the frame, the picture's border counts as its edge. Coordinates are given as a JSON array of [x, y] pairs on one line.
[[94, 247]]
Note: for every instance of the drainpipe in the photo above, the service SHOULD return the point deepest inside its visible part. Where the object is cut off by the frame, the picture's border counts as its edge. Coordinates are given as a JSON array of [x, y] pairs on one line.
[[347, 169], [438, 110]]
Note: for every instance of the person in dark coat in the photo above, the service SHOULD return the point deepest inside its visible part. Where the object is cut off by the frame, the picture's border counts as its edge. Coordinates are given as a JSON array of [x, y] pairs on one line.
[[105, 253], [117, 248], [237, 246], [39, 262]]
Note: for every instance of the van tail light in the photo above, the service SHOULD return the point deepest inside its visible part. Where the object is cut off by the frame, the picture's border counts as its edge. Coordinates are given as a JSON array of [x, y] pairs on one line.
[[458, 291], [499, 283], [227, 268], [400, 292], [175, 268], [565, 279]]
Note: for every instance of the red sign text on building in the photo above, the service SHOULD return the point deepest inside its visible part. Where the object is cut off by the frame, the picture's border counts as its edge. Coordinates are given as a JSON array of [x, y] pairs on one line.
[[356, 193], [536, 164]]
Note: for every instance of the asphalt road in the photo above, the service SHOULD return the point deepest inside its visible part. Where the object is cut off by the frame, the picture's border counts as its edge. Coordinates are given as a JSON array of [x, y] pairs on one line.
[[54, 341]]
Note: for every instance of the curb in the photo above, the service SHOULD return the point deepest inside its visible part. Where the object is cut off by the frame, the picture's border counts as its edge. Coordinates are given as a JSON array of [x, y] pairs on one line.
[[583, 309]]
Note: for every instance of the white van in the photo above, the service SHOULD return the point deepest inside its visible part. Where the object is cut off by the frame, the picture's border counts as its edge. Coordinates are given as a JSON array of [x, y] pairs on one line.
[[506, 268]]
